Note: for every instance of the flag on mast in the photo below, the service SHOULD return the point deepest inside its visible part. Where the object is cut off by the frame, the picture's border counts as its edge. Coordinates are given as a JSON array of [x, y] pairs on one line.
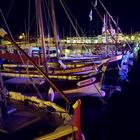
[[90, 15], [95, 4], [104, 24]]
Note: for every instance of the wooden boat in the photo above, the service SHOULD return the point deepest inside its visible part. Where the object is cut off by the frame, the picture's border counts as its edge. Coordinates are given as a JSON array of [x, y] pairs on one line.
[[41, 119], [80, 80], [75, 84], [28, 117]]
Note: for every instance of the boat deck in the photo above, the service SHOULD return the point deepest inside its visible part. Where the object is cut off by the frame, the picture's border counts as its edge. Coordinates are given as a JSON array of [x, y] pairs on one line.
[[16, 121]]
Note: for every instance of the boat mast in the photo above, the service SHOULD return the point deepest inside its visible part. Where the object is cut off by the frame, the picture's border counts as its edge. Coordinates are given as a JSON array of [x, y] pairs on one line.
[[56, 36], [117, 33], [106, 34], [3, 110], [41, 32]]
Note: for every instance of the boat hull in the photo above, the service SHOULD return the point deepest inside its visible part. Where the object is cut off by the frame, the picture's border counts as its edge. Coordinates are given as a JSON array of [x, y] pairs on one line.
[[82, 85]]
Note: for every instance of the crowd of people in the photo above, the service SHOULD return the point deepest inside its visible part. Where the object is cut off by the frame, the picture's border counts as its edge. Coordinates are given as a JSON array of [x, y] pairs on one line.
[[121, 118]]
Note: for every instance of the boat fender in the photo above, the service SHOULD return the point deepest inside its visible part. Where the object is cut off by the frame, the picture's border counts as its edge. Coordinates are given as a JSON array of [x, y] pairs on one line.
[[102, 93], [51, 94]]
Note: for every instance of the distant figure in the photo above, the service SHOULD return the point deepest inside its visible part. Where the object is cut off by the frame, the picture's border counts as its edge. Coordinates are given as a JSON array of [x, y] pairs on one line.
[[121, 118], [124, 68], [130, 60], [124, 72]]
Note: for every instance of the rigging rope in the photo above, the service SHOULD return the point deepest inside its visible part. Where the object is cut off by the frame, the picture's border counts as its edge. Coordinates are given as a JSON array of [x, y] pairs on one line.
[[73, 18], [65, 9], [6, 24], [28, 32], [70, 19], [30, 78]]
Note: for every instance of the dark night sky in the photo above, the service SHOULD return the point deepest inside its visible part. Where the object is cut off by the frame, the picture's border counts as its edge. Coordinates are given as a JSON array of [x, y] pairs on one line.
[[126, 11]]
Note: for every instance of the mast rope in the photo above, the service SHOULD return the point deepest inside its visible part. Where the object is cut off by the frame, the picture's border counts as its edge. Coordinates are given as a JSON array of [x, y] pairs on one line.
[[30, 78], [65, 9], [70, 19]]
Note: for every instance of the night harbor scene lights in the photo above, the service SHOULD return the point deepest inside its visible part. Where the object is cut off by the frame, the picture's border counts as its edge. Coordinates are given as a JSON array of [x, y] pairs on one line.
[[69, 70]]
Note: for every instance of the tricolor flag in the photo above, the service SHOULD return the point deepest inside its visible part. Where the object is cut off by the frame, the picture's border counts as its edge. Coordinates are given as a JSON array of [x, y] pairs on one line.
[[90, 15]]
